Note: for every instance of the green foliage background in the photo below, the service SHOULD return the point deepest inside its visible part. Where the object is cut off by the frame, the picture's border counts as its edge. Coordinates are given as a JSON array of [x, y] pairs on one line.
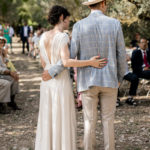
[[133, 14]]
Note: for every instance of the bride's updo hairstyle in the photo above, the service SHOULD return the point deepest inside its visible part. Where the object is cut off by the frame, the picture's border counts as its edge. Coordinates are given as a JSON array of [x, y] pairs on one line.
[[55, 13]]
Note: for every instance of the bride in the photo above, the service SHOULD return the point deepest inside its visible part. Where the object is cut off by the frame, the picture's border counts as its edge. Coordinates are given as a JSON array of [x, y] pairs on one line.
[[56, 128]]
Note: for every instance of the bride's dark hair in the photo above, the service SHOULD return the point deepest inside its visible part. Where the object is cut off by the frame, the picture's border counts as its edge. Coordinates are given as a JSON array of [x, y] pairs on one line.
[[55, 13]]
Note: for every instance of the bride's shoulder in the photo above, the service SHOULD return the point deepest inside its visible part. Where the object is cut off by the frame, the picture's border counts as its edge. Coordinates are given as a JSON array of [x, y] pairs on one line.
[[44, 34], [64, 36], [65, 39], [43, 38]]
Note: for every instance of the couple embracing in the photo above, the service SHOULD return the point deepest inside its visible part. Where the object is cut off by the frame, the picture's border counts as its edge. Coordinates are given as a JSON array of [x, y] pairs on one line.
[[97, 78]]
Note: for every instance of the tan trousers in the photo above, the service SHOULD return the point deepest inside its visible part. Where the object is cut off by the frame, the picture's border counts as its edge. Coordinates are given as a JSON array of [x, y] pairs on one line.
[[14, 84], [90, 99]]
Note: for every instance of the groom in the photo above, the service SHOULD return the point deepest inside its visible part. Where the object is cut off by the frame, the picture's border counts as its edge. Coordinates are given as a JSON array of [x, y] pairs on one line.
[[97, 35]]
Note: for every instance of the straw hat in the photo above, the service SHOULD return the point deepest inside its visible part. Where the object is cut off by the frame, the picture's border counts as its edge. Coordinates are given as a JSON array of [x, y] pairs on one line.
[[91, 2], [3, 39]]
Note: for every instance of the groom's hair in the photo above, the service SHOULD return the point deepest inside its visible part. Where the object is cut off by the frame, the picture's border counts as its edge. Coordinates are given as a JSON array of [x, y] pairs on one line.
[[55, 13]]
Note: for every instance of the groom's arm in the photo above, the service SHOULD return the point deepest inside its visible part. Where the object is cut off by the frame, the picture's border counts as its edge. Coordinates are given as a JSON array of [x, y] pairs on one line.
[[56, 69], [53, 71]]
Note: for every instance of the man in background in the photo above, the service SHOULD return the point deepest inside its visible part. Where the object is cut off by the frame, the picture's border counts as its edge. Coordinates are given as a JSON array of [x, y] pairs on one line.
[[24, 34]]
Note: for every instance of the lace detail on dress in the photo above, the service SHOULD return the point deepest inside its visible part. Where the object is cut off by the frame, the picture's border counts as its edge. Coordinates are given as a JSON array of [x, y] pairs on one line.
[[59, 41]]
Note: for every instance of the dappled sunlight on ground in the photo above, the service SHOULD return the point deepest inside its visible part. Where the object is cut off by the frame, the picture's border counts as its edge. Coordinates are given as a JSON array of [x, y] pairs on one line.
[[17, 130]]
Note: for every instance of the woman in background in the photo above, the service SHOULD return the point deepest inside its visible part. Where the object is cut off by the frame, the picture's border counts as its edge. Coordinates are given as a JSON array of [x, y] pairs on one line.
[[6, 33]]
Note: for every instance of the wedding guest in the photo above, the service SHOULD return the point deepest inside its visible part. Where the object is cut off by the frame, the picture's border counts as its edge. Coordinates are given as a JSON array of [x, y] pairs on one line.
[[35, 41], [11, 34], [6, 33], [31, 44], [8, 75], [24, 34], [31, 28], [1, 33], [1, 27], [134, 42], [140, 60], [134, 81], [149, 44], [5, 87]]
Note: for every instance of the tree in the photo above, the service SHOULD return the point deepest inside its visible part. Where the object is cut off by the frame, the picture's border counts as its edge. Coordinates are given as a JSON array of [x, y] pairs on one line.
[[134, 16]]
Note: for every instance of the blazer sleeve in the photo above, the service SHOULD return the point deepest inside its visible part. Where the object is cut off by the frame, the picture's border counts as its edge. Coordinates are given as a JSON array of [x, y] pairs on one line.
[[56, 69], [120, 54]]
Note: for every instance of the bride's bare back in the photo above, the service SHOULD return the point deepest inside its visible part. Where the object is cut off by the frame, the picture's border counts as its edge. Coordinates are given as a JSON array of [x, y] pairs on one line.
[[49, 36], [50, 42]]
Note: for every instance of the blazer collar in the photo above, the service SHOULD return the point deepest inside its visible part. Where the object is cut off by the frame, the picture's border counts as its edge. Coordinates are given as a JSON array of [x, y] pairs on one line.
[[96, 12]]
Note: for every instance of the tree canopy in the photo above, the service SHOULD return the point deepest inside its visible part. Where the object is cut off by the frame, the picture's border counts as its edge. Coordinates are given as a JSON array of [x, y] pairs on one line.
[[133, 14]]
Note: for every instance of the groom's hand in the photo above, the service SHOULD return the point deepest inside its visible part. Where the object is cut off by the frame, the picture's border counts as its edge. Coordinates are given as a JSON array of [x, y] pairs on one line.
[[46, 76]]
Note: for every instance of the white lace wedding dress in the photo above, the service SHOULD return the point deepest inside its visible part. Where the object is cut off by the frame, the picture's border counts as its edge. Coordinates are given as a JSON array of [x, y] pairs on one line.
[[56, 128]]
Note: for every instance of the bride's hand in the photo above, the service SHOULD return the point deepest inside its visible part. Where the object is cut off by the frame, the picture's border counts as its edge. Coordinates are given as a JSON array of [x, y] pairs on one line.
[[97, 62]]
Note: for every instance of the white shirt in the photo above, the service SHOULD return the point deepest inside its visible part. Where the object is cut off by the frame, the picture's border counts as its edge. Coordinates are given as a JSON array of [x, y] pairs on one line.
[[142, 51], [25, 31], [11, 31]]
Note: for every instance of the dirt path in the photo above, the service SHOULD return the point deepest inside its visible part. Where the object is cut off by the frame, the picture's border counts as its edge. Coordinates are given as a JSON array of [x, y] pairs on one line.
[[17, 130]]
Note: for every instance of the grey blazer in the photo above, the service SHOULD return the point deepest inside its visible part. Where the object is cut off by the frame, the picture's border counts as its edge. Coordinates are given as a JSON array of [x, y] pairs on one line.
[[97, 35]]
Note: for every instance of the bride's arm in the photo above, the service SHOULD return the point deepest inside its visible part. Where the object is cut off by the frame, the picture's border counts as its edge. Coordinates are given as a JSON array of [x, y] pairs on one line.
[[67, 62]]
